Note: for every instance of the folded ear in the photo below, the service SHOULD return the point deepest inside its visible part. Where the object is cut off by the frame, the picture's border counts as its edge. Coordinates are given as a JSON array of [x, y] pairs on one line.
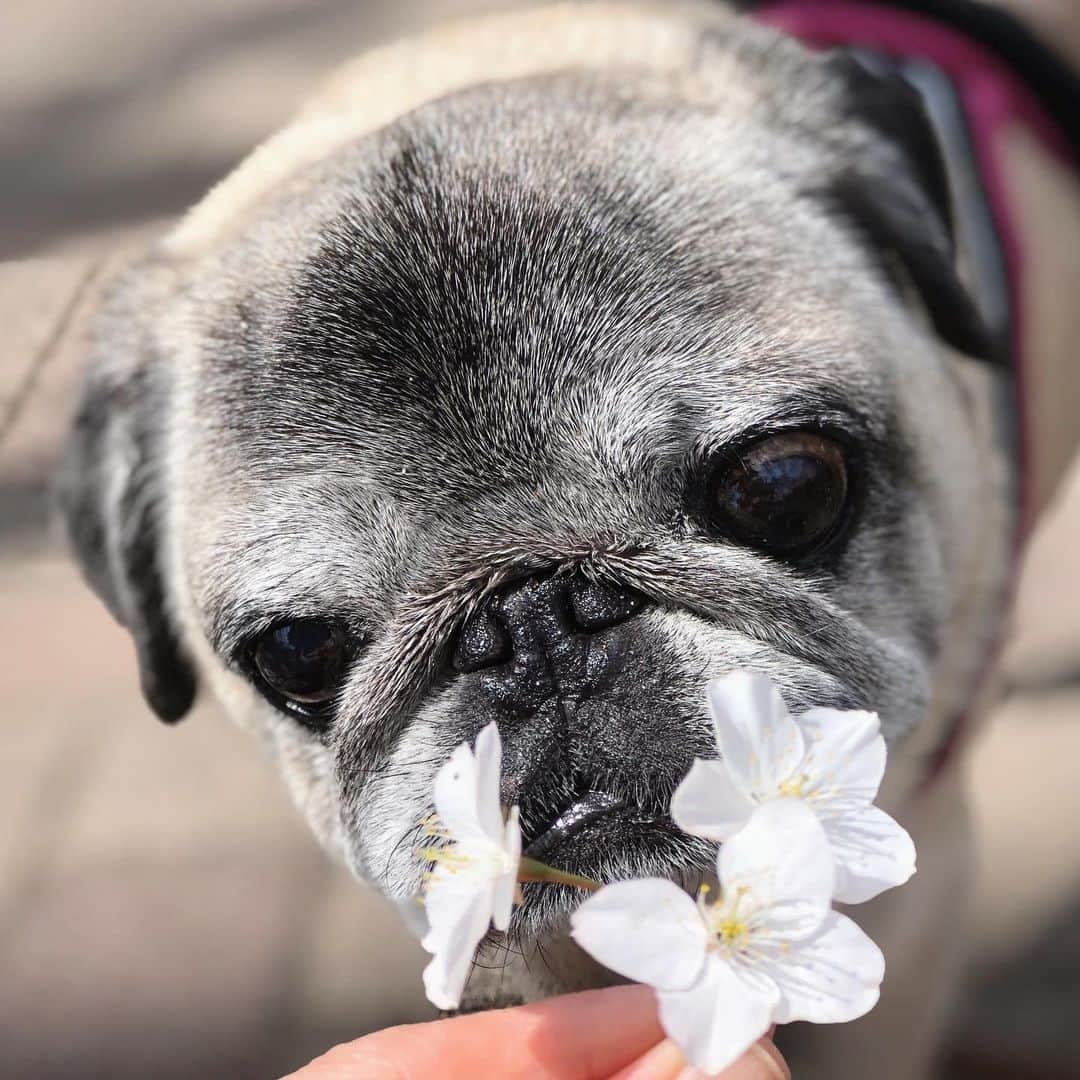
[[110, 494], [894, 186]]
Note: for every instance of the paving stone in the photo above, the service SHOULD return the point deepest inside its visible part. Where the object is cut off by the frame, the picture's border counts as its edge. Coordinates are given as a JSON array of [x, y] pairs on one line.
[[155, 968], [34, 760], [1026, 806], [1046, 642], [130, 121], [359, 968], [1020, 1017], [45, 309], [171, 791], [168, 867], [176, 792], [66, 684], [33, 296]]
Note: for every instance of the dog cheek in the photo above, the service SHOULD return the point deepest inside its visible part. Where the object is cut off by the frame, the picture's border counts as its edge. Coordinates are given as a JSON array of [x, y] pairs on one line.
[[380, 805], [308, 768]]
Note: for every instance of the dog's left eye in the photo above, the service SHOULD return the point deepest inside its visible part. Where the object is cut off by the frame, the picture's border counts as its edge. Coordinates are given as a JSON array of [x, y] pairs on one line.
[[301, 662], [785, 494]]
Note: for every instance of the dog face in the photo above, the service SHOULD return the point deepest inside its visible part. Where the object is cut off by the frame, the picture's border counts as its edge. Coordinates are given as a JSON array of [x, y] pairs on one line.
[[545, 405]]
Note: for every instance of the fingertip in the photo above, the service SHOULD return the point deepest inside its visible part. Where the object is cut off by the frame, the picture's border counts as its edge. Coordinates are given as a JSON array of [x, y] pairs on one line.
[[584, 1036], [665, 1062], [761, 1062]]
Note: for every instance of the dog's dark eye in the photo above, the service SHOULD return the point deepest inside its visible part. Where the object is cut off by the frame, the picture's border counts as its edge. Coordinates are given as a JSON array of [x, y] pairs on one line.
[[302, 661], [784, 494]]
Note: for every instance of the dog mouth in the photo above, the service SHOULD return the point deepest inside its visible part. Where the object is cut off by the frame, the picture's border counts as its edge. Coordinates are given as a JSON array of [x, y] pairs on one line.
[[604, 833], [592, 829], [587, 809]]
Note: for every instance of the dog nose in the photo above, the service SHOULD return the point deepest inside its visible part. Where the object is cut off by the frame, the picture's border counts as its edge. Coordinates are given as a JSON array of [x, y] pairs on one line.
[[482, 643], [551, 617]]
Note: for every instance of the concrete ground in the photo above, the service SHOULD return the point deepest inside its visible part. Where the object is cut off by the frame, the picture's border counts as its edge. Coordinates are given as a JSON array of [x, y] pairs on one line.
[[163, 910]]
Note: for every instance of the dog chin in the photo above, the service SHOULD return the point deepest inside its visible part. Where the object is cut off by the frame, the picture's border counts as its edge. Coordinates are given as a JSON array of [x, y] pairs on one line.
[[604, 839]]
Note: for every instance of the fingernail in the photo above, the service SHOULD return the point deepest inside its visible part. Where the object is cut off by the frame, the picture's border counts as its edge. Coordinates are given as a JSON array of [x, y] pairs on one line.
[[662, 1062], [765, 1067], [666, 1062], [690, 1073], [769, 1065]]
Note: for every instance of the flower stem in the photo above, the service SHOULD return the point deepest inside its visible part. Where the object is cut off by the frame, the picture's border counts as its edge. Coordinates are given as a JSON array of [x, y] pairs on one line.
[[531, 870]]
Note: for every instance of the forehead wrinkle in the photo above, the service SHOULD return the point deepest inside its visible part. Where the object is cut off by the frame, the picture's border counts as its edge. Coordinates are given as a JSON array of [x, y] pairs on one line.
[[451, 268], [390, 320]]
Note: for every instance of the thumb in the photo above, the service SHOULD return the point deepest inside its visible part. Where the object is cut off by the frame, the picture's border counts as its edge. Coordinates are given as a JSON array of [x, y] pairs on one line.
[[595, 1035]]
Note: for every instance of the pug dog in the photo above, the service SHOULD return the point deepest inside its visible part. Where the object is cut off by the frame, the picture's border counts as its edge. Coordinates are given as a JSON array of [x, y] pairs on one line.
[[544, 369]]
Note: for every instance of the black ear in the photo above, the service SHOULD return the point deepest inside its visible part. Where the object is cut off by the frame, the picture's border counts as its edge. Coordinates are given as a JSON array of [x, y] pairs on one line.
[[110, 497], [895, 187]]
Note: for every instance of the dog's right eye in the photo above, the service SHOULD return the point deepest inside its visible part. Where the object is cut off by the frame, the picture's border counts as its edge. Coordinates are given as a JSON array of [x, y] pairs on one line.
[[785, 494], [301, 663]]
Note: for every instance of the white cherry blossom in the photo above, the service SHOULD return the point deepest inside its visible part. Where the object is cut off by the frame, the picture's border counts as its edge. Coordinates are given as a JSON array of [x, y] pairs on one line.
[[830, 759], [475, 856], [769, 950]]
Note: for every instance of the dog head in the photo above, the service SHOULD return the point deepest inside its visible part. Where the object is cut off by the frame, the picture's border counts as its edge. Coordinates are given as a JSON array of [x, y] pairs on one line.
[[546, 403]]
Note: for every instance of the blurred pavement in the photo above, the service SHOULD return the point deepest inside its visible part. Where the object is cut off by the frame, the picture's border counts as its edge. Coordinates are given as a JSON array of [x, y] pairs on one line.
[[163, 910]]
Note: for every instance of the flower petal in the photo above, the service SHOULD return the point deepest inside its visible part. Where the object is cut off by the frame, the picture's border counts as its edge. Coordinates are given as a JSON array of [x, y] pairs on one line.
[[717, 1019], [446, 898], [782, 862], [845, 758], [502, 900], [760, 744], [708, 803], [488, 772], [872, 853], [647, 930], [831, 978], [456, 800], [445, 975]]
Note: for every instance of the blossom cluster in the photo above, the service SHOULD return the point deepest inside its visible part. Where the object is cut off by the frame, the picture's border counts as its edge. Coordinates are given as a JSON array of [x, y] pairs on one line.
[[789, 800]]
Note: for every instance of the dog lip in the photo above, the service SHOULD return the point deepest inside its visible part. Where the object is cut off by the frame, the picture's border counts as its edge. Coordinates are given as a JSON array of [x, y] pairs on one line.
[[581, 812]]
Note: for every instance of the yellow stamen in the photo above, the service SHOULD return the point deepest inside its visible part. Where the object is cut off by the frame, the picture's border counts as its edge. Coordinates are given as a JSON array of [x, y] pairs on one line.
[[794, 786], [449, 856], [431, 826], [722, 918], [730, 931]]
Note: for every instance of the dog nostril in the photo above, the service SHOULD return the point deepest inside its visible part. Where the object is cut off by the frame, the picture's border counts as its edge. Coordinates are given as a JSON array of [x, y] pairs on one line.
[[595, 606], [481, 643]]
